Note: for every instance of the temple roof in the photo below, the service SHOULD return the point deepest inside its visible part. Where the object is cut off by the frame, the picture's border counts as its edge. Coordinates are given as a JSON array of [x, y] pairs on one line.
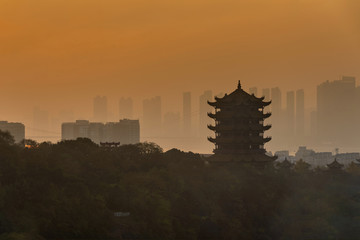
[[335, 165], [285, 164], [239, 96]]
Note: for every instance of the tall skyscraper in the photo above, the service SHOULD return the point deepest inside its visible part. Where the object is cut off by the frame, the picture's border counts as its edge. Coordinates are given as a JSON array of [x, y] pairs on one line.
[[313, 124], [100, 109], [126, 108], [204, 108], [337, 119], [300, 113], [152, 114], [187, 112], [290, 113], [276, 102], [253, 90]]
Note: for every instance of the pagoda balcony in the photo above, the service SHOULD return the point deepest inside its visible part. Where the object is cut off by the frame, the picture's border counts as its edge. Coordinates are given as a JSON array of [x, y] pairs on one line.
[[230, 128], [239, 151], [213, 140], [267, 127], [267, 139], [211, 127], [259, 139], [265, 104], [266, 115], [224, 114], [259, 127], [212, 115]]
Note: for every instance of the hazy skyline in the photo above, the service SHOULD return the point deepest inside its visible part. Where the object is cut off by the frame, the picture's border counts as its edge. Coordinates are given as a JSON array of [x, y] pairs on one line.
[[57, 55]]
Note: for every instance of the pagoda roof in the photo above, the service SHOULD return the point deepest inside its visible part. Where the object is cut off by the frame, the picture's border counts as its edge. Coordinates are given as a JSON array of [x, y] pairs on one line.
[[239, 96], [285, 164], [335, 165], [231, 127]]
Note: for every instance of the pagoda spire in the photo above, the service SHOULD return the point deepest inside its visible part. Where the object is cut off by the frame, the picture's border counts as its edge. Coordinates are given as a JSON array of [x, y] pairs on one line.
[[239, 85]]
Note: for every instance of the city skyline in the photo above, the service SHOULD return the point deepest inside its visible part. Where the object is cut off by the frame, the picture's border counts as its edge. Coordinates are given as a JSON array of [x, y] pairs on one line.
[[290, 109]]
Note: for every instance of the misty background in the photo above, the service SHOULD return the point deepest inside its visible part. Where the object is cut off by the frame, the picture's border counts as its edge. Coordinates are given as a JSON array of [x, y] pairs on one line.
[[56, 57]]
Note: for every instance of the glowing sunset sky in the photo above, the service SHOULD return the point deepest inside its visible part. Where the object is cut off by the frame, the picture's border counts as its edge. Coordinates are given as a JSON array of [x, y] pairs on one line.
[[59, 54]]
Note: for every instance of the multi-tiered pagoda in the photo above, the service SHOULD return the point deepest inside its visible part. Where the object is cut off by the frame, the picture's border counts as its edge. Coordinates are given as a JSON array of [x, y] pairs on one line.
[[239, 127]]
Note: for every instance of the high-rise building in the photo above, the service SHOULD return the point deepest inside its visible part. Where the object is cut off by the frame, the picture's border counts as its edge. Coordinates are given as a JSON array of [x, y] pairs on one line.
[[276, 102], [126, 108], [204, 108], [313, 124], [187, 112], [300, 113], [337, 119], [125, 131], [152, 114], [290, 113], [17, 130], [100, 109]]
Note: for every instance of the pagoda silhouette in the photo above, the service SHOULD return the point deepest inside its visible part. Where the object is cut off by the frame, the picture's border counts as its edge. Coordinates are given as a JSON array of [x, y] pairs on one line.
[[239, 127]]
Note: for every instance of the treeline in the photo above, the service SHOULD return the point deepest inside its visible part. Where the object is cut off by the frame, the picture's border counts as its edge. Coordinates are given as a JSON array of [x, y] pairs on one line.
[[71, 190]]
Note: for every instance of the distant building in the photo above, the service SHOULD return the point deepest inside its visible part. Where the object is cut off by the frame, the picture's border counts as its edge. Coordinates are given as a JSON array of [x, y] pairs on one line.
[[17, 130], [100, 109], [337, 118], [290, 113], [300, 113], [276, 102], [152, 117], [282, 155], [277, 120], [126, 108], [303, 152], [313, 123], [318, 159], [347, 158], [187, 112], [204, 108], [125, 131]]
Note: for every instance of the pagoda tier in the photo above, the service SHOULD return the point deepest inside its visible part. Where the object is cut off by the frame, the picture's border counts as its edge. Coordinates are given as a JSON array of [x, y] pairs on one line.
[[229, 114], [228, 127], [239, 125]]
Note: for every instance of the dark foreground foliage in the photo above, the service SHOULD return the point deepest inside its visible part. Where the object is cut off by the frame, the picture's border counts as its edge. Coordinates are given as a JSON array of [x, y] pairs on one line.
[[71, 190]]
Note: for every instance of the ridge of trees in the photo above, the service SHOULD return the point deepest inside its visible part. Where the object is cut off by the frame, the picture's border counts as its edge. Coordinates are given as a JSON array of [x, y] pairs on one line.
[[71, 190]]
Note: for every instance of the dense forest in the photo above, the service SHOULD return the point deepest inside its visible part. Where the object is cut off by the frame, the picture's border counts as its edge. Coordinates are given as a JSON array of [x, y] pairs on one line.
[[78, 190]]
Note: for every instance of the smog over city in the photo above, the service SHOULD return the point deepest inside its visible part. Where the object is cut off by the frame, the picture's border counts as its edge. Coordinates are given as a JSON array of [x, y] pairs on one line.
[[179, 119]]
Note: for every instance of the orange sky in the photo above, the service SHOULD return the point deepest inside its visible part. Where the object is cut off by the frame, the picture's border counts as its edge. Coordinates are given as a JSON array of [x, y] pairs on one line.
[[59, 54]]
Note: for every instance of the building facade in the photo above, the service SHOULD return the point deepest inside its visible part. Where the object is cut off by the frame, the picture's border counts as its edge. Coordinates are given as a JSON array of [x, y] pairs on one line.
[[125, 131], [17, 130], [100, 109]]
